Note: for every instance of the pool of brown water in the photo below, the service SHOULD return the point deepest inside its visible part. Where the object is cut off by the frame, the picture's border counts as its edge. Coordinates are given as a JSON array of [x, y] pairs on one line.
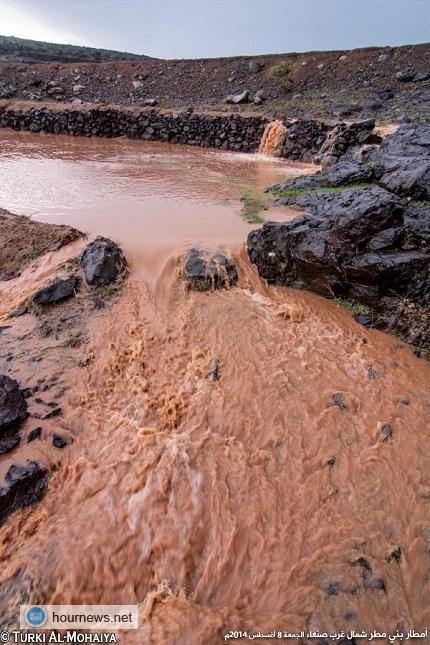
[[149, 197], [271, 499]]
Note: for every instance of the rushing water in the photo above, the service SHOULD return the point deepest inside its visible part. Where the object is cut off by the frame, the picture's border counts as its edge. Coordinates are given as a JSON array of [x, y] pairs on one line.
[[272, 499]]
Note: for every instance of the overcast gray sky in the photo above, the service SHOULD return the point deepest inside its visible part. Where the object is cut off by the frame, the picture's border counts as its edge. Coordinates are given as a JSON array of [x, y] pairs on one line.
[[200, 28]]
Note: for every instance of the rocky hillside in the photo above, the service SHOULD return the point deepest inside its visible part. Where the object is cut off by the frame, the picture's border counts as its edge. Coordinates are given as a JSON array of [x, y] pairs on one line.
[[33, 51], [386, 83]]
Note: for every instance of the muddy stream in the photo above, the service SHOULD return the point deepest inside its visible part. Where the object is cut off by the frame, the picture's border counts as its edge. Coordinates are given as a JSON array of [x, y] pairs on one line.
[[271, 499]]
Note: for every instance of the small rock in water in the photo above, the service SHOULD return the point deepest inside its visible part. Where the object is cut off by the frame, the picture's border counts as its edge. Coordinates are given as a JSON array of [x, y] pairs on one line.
[[214, 373], [403, 401], [204, 271], [102, 261], [395, 554], [13, 406], [20, 311], [58, 290], [387, 431], [377, 583], [24, 486], [333, 589], [363, 319], [55, 412], [339, 401], [34, 434], [59, 441]]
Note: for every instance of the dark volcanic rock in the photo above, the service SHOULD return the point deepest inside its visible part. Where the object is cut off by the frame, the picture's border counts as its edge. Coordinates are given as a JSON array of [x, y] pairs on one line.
[[59, 441], [20, 311], [58, 290], [13, 406], [204, 271], [367, 210], [404, 162], [341, 174], [363, 319], [408, 177], [24, 486], [359, 243], [8, 443], [34, 434], [411, 140], [102, 261]]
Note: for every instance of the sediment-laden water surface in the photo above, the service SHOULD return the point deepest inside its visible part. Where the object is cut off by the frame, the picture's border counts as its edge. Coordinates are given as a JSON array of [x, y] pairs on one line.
[[149, 197], [291, 493]]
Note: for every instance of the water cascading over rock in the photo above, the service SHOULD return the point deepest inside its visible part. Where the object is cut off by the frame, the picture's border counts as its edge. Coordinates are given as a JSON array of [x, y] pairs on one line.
[[273, 139]]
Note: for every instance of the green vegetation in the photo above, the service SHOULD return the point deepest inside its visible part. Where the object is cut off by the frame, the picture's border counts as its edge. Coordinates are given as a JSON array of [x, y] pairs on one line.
[[33, 253], [254, 201], [299, 192], [281, 70], [370, 164], [351, 305]]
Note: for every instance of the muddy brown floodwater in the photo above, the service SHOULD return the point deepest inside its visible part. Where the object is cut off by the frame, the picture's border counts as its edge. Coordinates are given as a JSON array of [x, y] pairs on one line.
[[272, 499]]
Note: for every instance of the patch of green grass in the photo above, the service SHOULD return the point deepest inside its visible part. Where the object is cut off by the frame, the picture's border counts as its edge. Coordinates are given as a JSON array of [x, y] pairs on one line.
[[281, 70], [33, 253], [370, 164], [352, 306], [254, 202], [299, 192]]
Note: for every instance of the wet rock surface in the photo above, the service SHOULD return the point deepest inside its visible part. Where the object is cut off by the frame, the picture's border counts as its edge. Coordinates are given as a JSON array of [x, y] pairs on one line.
[[341, 174], [102, 261], [204, 271], [361, 242], [13, 406], [24, 485], [8, 444], [58, 290]]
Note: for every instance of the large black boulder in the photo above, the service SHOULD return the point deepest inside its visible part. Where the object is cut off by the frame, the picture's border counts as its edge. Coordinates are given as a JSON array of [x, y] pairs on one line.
[[204, 271], [13, 406], [24, 485], [58, 290], [102, 261], [360, 243]]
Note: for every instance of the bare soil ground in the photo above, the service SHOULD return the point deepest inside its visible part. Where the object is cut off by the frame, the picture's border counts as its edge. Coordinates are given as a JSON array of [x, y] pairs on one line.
[[359, 82], [23, 240]]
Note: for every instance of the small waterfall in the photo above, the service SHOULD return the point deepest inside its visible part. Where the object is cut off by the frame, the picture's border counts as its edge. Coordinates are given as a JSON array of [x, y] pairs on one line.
[[273, 139]]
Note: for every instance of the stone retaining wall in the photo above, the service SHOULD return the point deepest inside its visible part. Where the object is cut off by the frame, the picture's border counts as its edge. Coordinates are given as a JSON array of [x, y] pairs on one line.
[[232, 132]]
